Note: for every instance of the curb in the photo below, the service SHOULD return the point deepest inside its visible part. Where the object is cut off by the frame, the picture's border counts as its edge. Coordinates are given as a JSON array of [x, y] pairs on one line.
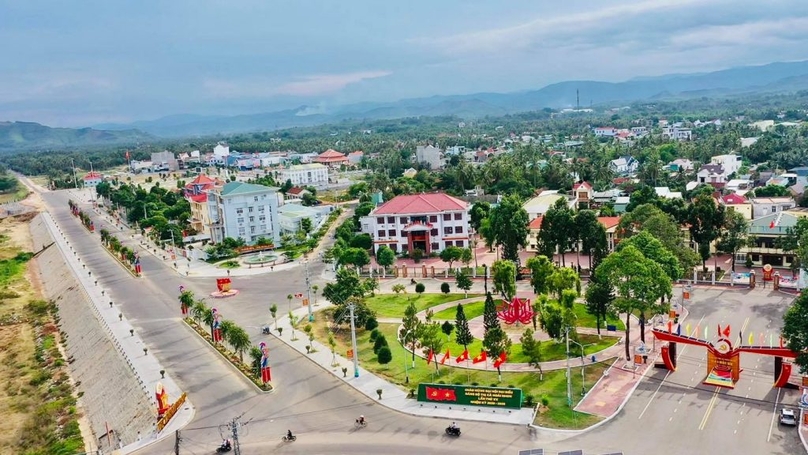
[[131, 272]]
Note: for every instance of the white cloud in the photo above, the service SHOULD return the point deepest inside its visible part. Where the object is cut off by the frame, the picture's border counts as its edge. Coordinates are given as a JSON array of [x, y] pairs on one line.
[[312, 85]]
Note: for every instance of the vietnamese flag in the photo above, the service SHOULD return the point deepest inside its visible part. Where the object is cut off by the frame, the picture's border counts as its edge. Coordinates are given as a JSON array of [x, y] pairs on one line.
[[501, 359], [445, 356], [727, 331], [463, 357], [439, 394], [480, 358], [430, 357]]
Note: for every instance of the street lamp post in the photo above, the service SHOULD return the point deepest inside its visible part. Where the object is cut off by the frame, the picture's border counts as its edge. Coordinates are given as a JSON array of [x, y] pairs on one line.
[[583, 363], [406, 370], [308, 291]]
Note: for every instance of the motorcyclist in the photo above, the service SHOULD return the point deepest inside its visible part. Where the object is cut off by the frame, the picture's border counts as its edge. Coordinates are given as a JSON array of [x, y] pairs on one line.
[[226, 444], [454, 426], [361, 420], [289, 435]]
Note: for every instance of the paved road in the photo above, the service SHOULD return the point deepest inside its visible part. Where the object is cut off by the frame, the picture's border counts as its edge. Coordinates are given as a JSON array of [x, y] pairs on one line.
[[320, 408]]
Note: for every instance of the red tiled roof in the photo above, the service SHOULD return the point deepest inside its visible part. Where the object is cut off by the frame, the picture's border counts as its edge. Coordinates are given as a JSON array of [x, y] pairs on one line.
[[199, 198], [536, 223], [357, 152], [202, 179], [733, 198], [330, 156], [609, 221], [420, 203], [92, 176], [295, 190], [584, 184]]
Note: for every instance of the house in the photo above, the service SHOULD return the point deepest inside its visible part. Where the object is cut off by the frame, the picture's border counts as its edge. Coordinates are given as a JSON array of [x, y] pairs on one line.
[[621, 203], [428, 222], [200, 185], [583, 194], [200, 215], [410, 173], [731, 162], [221, 150], [355, 158], [92, 179], [430, 155], [765, 231], [605, 131], [764, 206], [738, 203], [331, 158], [540, 204], [296, 193], [639, 131], [712, 174], [666, 193], [164, 161], [625, 165], [291, 215], [680, 165], [738, 186], [602, 197], [676, 133], [246, 211], [313, 174]]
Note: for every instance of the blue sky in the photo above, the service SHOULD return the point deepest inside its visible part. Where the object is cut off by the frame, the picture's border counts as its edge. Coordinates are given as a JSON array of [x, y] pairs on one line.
[[85, 62]]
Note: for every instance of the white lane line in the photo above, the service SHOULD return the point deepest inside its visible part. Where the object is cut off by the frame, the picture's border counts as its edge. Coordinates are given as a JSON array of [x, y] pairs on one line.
[[679, 354], [774, 414]]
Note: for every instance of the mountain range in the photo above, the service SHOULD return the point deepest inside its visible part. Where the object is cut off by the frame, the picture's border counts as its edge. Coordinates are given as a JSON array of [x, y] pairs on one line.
[[770, 78]]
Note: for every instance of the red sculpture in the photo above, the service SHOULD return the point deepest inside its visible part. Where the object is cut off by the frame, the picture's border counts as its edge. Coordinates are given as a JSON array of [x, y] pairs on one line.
[[517, 311]]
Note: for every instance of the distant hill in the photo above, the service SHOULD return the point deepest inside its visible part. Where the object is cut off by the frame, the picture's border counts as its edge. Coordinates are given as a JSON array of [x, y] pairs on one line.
[[28, 135], [771, 78]]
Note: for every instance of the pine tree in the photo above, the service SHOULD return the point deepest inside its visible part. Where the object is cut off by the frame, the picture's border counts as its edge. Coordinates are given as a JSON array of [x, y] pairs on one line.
[[490, 318], [462, 333]]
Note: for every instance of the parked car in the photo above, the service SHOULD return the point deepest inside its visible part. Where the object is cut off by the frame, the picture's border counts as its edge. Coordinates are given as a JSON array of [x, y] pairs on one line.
[[787, 417]]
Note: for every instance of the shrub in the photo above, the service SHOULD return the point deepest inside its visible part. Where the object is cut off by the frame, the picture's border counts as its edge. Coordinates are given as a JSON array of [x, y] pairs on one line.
[[373, 334], [420, 288], [545, 400], [529, 400], [444, 288], [385, 355], [380, 342], [371, 323]]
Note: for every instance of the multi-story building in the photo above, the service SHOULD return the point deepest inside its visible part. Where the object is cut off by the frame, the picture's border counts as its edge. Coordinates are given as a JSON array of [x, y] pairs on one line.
[[605, 131], [200, 215], [731, 162], [164, 161], [429, 222], [430, 155], [677, 133], [314, 174], [763, 206], [764, 232], [244, 210]]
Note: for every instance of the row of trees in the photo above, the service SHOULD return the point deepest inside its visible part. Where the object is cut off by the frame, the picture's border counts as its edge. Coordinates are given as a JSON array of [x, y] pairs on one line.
[[114, 245], [166, 212]]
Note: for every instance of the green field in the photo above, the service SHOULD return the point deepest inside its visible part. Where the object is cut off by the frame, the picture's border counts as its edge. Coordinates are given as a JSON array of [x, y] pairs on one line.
[[393, 305], [472, 310], [553, 383]]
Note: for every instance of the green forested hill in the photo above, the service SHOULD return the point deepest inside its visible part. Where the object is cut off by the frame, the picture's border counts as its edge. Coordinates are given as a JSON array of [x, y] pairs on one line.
[[29, 135]]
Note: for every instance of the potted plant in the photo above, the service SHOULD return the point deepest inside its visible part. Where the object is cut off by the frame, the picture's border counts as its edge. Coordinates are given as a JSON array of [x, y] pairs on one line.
[[379, 392], [344, 372]]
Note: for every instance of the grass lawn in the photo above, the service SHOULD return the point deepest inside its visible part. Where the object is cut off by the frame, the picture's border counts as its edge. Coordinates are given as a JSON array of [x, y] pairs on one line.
[[553, 385], [472, 310], [19, 194], [587, 320], [393, 305]]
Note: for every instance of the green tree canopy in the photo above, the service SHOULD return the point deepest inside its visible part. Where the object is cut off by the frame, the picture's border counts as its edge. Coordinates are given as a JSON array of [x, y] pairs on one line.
[[541, 268], [504, 277], [509, 225], [558, 230]]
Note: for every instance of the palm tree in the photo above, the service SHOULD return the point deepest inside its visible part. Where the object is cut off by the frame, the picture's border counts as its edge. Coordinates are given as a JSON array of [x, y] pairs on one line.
[[227, 328], [198, 310], [207, 317], [273, 310], [314, 289], [256, 355], [239, 340], [289, 297], [186, 300], [293, 322]]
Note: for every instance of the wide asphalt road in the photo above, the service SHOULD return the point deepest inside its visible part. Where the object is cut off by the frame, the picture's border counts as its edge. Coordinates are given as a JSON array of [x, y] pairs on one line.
[[662, 417]]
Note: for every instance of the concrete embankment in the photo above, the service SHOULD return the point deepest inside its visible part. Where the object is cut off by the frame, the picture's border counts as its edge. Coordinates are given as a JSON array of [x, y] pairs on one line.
[[112, 395]]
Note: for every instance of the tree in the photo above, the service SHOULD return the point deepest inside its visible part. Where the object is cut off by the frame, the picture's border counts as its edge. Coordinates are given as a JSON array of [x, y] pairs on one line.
[[653, 249], [557, 232], [399, 288], [348, 289], [371, 323], [447, 328], [531, 348], [639, 283], [488, 234], [663, 227], [306, 226], [294, 322], [463, 281], [541, 268], [733, 235], [462, 332], [509, 223], [384, 355], [410, 328], [504, 277], [239, 340], [356, 257], [451, 254], [479, 211], [496, 342], [771, 191], [186, 299], [431, 340], [363, 241], [551, 319], [385, 257], [564, 278], [420, 288], [273, 311], [444, 288], [795, 330], [379, 343], [705, 218], [332, 343], [599, 298], [490, 317], [592, 235], [466, 256]]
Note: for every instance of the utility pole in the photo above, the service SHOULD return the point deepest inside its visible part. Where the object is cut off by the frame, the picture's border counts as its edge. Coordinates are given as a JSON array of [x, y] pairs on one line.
[[569, 372], [234, 426], [75, 180], [353, 342], [177, 441], [308, 291]]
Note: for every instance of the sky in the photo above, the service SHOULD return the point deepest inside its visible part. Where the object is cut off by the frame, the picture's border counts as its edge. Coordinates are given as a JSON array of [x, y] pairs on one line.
[[85, 62]]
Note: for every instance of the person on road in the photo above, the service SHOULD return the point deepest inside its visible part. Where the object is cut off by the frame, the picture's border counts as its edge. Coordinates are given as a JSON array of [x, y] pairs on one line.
[[289, 435], [361, 420], [454, 426]]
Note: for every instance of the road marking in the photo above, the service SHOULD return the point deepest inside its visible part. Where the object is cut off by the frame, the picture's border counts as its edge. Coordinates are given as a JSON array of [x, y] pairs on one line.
[[774, 414], [679, 354], [710, 406]]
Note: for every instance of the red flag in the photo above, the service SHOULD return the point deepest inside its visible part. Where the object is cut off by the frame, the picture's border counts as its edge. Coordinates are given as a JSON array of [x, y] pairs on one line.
[[445, 356], [500, 360], [463, 357], [266, 375], [771, 225], [480, 358], [726, 331], [429, 357], [439, 394], [127, 155]]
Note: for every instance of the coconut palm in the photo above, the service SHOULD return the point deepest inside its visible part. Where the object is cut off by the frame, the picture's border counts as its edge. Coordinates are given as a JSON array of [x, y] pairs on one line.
[[199, 310], [239, 340], [227, 328], [186, 299]]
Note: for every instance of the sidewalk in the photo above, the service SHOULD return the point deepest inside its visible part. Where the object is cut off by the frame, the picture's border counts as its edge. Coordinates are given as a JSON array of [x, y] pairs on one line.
[[145, 367], [392, 397]]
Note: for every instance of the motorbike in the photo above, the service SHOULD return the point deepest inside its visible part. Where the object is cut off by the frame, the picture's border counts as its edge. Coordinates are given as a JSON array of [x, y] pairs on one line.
[[287, 439], [453, 431], [224, 448], [359, 424]]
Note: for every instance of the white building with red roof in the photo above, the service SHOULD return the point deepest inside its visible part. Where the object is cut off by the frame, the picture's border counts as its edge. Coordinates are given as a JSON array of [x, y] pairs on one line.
[[92, 179], [331, 157], [429, 222]]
